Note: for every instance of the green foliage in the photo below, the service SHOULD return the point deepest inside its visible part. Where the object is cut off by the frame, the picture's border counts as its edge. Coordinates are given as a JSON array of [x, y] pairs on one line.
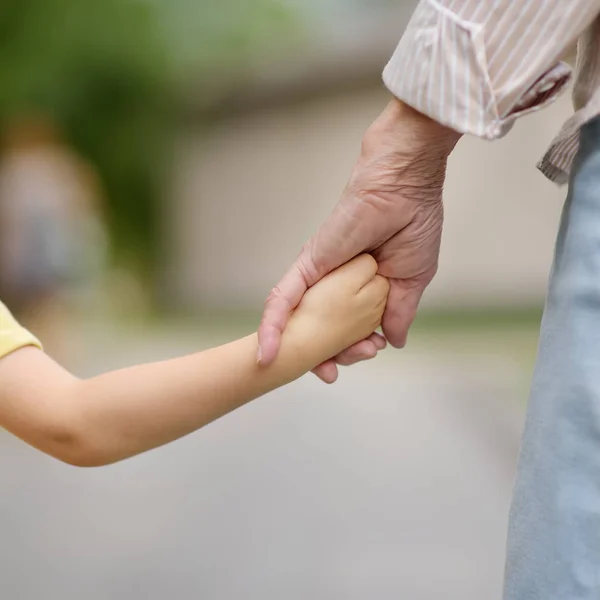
[[106, 70], [99, 68], [212, 35]]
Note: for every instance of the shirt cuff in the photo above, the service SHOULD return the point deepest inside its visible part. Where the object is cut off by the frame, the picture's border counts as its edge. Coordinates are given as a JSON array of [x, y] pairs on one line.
[[439, 68]]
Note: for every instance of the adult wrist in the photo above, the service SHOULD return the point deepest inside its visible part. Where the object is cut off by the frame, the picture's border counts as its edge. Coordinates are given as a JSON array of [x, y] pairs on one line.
[[404, 150], [401, 128]]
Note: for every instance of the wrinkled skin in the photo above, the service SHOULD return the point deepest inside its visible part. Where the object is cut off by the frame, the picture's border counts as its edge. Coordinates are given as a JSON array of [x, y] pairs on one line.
[[392, 208]]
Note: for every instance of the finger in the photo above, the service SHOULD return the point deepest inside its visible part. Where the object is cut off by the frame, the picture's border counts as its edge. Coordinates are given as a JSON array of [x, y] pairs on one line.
[[327, 371], [377, 288], [364, 350], [359, 271], [400, 312], [379, 341], [281, 301]]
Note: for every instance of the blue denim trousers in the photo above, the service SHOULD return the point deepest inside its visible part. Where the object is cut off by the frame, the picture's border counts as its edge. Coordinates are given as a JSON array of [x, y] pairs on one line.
[[553, 550]]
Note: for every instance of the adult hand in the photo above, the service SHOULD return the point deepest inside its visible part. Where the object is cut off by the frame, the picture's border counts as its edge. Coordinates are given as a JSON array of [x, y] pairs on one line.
[[392, 208]]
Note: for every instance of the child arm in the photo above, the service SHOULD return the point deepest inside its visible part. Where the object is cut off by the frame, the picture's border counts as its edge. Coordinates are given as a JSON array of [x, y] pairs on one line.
[[122, 413]]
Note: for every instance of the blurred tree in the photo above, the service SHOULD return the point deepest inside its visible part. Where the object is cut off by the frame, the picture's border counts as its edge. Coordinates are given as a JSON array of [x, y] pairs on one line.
[[98, 68], [212, 35], [106, 71]]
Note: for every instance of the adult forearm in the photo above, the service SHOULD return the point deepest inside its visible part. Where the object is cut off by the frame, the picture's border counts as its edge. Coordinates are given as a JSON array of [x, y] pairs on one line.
[[401, 124], [406, 151]]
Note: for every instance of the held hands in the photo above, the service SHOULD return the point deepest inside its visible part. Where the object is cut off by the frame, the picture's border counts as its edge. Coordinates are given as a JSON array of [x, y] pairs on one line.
[[342, 309], [392, 208]]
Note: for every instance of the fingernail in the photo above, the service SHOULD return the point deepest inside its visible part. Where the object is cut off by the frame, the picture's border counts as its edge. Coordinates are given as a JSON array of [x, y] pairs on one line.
[[259, 355]]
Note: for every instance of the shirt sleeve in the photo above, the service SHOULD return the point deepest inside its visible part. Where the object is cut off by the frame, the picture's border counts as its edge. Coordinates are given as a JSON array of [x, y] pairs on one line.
[[477, 65], [12, 335]]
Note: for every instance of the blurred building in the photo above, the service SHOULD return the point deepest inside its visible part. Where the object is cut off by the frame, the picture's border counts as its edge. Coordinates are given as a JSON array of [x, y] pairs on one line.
[[256, 174]]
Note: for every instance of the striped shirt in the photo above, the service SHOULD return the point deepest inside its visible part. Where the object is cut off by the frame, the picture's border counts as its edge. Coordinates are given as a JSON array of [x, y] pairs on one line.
[[478, 65]]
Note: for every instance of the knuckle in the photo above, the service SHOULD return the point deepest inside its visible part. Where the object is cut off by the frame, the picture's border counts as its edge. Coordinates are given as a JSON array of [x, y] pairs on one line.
[[307, 266], [274, 295], [384, 285], [369, 261], [276, 311], [275, 301], [375, 323]]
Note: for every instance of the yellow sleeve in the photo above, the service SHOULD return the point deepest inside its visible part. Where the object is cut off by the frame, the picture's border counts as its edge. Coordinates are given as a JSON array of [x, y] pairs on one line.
[[12, 335]]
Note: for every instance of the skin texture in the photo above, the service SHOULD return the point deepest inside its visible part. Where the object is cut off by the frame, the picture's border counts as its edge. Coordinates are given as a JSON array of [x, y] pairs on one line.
[[122, 413], [391, 208]]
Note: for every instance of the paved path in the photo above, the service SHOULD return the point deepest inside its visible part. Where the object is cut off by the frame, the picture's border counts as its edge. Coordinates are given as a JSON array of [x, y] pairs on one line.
[[393, 484]]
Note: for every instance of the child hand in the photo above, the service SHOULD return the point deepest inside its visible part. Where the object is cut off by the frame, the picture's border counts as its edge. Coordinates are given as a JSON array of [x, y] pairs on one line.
[[343, 308]]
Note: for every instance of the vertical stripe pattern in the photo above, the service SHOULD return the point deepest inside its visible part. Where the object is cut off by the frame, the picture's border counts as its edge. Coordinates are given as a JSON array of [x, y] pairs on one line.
[[477, 65]]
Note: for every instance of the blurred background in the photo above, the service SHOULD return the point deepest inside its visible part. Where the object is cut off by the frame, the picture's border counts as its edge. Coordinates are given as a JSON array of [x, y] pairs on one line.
[[161, 164]]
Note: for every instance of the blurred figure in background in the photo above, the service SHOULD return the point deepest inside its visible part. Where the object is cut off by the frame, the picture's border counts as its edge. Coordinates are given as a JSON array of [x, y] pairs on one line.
[[51, 230]]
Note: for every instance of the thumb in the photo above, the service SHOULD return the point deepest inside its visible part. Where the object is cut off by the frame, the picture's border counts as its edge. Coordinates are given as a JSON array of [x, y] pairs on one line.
[[283, 299]]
